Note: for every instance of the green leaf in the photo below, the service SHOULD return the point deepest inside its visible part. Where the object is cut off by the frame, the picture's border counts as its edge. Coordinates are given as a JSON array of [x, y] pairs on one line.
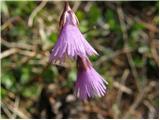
[[31, 91], [111, 19], [48, 76], [94, 58], [72, 75], [71, 79], [3, 93], [83, 26], [53, 37], [80, 15], [137, 26], [8, 80], [138, 61], [93, 14], [25, 74]]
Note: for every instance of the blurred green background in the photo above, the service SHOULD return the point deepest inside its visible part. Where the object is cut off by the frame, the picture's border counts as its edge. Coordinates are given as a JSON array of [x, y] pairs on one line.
[[125, 34]]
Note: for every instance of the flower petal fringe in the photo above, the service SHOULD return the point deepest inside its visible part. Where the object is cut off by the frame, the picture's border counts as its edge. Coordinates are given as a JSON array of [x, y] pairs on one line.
[[71, 43], [89, 83]]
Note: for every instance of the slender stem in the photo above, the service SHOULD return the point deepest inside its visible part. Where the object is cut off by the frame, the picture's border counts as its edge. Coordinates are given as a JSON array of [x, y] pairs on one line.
[[66, 6], [83, 63]]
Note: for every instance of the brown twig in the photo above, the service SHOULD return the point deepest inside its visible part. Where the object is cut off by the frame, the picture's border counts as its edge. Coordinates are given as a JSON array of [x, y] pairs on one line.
[[9, 22], [76, 5], [123, 80], [8, 52], [17, 111], [16, 105], [35, 11], [125, 38], [139, 98], [6, 111], [148, 26], [16, 45], [152, 110], [122, 87], [112, 56], [154, 50]]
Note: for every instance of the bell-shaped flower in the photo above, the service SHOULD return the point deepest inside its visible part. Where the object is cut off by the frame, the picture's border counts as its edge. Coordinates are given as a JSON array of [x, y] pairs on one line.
[[71, 42], [89, 83]]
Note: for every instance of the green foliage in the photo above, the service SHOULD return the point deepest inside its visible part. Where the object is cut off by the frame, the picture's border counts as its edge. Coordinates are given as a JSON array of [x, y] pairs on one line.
[[80, 15], [3, 93], [84, 26], [112, 20], [8, 80], [93, 14], [25, 75], [53, 37], [48, 76], [23, 8], [94, 58], [138, 61], [31, 91], [71, 78]]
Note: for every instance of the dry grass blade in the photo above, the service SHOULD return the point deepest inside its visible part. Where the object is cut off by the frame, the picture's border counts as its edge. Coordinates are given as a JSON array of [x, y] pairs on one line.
[[123, 80], [35, 11], [8, 52], [122, 87], [139, 98], [125, 38]]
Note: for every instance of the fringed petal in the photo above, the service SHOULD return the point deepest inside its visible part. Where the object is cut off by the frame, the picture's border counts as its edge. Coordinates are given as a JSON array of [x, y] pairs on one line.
[[89, 84]]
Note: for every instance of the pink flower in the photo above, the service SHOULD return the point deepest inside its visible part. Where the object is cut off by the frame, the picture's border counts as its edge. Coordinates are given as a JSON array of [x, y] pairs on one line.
[[71, 43], [89, 83]]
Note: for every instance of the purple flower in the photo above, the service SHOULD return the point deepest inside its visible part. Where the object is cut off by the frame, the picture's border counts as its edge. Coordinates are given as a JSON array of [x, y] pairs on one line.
[[71, 43], [89, 83]]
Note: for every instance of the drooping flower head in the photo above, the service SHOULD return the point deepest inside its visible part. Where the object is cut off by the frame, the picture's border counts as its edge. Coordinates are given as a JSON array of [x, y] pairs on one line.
[[71, 43], [89, 83]]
